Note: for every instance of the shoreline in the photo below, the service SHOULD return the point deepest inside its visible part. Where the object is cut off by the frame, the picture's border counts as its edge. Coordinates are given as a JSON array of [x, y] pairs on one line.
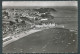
[[18, 36], [11, 38]]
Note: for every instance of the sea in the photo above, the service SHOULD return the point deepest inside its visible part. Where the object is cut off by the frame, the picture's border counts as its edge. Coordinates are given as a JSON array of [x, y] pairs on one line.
[[64, 15], [51, 40]]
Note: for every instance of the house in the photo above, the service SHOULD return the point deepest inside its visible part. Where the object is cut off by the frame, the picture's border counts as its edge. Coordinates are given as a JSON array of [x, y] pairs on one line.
[[44, 19]]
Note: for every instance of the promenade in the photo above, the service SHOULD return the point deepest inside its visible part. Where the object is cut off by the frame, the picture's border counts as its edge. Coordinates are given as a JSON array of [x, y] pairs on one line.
[[9, 39]]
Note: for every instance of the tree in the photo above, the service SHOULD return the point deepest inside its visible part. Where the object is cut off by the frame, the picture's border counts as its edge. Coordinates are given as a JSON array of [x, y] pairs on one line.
[[16, 20], [23, 22], [36, 19], [11, 22], [5, 13]]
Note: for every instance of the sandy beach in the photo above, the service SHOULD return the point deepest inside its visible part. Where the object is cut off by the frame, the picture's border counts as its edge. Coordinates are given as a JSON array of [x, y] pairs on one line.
[[19, 36]]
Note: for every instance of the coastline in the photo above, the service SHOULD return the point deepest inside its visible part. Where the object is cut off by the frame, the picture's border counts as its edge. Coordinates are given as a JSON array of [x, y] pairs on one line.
[[19, 36], [11, 38]]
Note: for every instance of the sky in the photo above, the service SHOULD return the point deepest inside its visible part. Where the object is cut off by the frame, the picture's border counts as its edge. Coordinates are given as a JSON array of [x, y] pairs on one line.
[[39, 3]]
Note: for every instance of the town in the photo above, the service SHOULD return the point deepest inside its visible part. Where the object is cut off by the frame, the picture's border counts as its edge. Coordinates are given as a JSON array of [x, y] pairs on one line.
[[17, 20], [39, 27]]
